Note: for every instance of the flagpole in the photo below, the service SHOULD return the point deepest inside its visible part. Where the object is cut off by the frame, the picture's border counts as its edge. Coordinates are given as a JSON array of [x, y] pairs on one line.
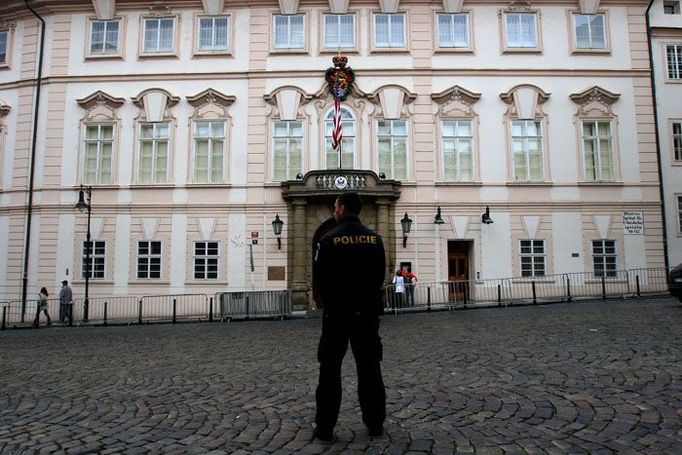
[[338, 50]]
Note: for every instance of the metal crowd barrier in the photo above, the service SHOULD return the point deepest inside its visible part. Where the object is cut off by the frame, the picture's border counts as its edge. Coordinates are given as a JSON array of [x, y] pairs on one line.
[[529, 290], [254, 304], [174, 307]]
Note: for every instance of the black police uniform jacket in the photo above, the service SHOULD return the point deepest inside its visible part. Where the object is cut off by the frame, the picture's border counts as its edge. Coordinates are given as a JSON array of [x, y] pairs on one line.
[[349, 269]]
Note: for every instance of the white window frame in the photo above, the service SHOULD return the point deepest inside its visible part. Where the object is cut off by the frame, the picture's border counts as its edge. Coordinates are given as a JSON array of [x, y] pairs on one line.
[[676, 141], [149, 257], [98, 259], [103, 53], [290, 139], [603, 257], [213, 49], [597, 176], [330, 47], [155, 140], [290, 45], [457, 155], [99, 142], [206, 260], [393, 139], [348, 142], [673, 68], [454, 46], [532, 257], [525, 139], [8, 34], [211, 139], [521, 47], [590, 48], [389, 45], [678, 199], [144, 52]]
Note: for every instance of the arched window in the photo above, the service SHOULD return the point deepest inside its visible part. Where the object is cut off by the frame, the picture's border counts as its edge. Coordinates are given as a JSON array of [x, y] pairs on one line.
[[347, 141]]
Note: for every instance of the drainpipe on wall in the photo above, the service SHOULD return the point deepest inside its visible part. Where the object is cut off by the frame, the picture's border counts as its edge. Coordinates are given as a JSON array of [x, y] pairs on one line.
[[29, 213], [656, 134]]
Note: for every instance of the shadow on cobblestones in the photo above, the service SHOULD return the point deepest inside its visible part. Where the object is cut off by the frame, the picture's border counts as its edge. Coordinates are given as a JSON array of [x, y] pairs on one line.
[[597, 377]]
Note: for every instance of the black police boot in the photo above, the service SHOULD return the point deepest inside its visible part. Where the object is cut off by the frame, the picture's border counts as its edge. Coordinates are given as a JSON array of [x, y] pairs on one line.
[[326, 436], [376, 432]]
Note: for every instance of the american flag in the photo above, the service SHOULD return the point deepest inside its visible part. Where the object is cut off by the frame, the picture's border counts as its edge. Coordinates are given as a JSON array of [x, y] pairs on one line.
[[337, 133]]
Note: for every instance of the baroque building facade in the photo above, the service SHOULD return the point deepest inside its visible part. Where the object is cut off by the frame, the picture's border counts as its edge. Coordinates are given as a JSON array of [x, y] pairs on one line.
[[197, 123]]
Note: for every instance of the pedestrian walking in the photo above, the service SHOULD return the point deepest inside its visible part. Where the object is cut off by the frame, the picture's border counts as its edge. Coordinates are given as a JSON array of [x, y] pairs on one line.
[[65, 304], [350, 315], [42, 306], [398, 289]]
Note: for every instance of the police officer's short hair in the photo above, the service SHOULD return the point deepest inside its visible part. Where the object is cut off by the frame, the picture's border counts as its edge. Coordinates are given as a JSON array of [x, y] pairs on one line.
[[351, 201]]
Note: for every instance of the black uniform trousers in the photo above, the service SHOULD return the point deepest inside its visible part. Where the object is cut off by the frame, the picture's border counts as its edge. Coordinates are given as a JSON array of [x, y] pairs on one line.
[[362, 331]]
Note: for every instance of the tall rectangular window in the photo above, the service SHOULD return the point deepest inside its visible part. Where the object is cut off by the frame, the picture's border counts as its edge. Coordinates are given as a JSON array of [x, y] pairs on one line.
[[677, 141], [98, 146], [206, 259], [104, 37], [590, 32], [154, 142], [532, 258], [527, 150], [97, 259], [209, 149], [598, 149], [289, 32], [389, 30], [673, 54], [149, 259], [392, 145], [159, 35], [457, 142], [604, 258], [213, 34], [339, 31], [679, 214], [453, 30], [521, 30], [4, 40], [347, 142], [288, 149]]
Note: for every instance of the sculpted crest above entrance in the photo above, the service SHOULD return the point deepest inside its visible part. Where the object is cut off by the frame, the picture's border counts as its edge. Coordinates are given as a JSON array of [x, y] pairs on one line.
[[325, 183]]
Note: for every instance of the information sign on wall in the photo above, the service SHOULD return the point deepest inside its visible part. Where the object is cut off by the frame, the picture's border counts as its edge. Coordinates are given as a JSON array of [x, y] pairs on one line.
[[633, 222]]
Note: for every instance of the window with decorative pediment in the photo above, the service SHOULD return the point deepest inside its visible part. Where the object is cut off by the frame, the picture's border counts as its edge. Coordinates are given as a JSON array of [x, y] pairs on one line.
[[99, 128], [457, 126], [287, 157], [520, 27], [210, 125], [154, 133], [597, 134], [393, 117], [526, 124], [159, 30]]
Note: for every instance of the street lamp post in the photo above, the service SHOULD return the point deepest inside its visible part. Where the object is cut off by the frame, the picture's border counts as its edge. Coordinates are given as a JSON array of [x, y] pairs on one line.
[[83, 205]]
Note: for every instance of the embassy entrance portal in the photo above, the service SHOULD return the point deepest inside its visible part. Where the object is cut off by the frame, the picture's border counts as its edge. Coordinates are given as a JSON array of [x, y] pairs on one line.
[[310, 201]]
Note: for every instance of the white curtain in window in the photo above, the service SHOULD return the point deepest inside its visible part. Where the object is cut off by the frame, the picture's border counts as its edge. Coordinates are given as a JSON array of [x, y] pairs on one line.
[[457, 145], [590, 31], [453, 30], [521, 30], [392, 148]]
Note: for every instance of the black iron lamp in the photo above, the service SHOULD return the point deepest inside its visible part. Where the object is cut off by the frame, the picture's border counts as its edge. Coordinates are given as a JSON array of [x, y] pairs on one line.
[[277, 229], [485, 218], [406, 225], [438, 219], [82, 205]]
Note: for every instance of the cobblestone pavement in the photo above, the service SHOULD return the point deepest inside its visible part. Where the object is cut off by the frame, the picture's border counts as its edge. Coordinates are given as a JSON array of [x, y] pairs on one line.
[[591, 377]]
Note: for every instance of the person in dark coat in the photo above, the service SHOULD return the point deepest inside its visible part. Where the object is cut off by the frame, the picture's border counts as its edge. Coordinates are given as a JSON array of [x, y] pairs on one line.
[[65, 297], [350, 315]]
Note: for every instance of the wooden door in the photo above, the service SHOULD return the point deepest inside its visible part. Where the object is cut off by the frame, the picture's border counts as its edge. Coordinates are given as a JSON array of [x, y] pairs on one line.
[[458, 270]]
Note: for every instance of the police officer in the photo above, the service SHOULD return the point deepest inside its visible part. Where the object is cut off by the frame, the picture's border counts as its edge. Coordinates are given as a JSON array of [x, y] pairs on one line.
[[351, 314]]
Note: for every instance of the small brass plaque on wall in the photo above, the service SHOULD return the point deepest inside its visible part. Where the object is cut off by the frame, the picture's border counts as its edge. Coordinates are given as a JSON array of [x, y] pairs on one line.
[[276, 273]]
